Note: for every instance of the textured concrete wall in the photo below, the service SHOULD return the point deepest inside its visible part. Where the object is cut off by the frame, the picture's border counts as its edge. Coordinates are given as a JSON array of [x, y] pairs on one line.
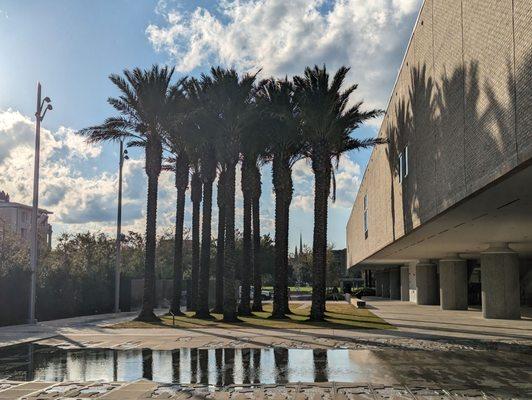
[[462, 104], [426, 284], [500, 285], [453, 284]]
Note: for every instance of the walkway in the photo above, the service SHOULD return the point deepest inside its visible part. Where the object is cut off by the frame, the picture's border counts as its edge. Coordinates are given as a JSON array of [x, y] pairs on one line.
[[431, 321]]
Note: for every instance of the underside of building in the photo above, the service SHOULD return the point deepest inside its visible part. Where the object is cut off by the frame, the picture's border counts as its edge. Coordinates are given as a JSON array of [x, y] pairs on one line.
[[444, 212]]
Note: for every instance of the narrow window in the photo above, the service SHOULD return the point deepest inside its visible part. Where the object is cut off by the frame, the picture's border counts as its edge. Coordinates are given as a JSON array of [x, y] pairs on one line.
[[400, 167], [366, 216], [405, 162]]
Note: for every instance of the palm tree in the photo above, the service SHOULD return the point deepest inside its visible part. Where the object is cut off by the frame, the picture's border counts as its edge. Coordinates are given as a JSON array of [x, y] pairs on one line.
[[253, 142], [255, 210], [228, 104], [176, 142], [195, 197], [275, 97], [220, 243], [328, 123], [199, 92], [142, 104]]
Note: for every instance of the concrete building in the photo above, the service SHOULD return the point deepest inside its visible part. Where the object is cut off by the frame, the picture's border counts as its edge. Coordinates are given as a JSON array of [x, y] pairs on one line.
[[447, 204], [17, 218]]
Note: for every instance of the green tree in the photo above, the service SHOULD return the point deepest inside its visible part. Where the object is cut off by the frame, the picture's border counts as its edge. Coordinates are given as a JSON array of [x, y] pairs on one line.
[[328, 122], [205, 127], [229, 103], [253, 145], [220, 243], [282, 122], [142, 105], [177, 139]]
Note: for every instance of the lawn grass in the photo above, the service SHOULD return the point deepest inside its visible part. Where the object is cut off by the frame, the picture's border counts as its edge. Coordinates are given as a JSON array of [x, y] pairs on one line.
[[337, 316]]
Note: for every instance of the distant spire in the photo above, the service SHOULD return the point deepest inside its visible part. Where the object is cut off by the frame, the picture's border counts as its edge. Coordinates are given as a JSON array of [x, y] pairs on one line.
[[296, 255], [300, 244]]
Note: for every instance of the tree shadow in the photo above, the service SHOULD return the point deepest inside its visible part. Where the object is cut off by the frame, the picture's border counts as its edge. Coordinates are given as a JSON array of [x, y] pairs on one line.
[[460, 133]]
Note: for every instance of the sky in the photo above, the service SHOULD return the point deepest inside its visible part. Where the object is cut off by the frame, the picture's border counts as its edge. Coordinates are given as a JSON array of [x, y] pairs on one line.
[[71, 47]]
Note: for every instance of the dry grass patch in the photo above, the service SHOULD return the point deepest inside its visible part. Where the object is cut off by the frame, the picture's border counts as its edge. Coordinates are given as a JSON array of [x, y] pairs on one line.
[[338, 316]]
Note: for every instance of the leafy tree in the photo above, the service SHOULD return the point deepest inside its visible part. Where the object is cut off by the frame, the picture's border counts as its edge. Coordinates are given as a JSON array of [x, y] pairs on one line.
[[253, 145], [283, 125], [328, 123], [229, 103], [142, 105], [177, 140]]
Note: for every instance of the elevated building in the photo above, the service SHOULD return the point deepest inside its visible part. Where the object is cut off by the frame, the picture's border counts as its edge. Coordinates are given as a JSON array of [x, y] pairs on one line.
[[444, 211], [17, 218]]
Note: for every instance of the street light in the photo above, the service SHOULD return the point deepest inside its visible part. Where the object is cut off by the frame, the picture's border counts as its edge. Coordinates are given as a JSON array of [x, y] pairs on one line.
[[119, 236], [39, 115]]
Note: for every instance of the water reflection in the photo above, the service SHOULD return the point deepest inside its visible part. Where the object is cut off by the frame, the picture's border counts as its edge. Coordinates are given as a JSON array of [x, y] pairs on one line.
[[206, 366]]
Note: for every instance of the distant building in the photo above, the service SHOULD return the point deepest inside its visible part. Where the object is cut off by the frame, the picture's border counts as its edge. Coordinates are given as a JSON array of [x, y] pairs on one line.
[[17, 218]]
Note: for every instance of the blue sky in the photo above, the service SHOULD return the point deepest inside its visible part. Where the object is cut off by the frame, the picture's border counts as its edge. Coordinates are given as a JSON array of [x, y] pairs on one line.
[[72, 47]]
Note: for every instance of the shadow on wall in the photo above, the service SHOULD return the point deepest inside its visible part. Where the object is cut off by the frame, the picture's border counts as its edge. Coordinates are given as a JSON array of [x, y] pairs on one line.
[[456, 135]]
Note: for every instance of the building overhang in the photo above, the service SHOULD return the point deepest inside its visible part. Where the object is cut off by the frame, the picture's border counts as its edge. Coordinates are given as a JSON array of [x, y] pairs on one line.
[[501, 212]]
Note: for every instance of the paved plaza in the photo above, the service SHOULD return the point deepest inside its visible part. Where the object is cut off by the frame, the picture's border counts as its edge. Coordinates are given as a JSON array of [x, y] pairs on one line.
[[429, 354], [297, 391]]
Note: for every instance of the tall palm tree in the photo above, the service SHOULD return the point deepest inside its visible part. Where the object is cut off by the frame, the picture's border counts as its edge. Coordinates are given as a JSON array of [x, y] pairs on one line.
[[195, 197], [328, 122], [198, 91], [255, 210], [142, 104], [176, 140], [220, 243], [275, 98], [253, 142], [229, 103]]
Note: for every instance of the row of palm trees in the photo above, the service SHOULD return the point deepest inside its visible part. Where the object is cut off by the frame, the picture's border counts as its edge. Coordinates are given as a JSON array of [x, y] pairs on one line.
[[201, 129]]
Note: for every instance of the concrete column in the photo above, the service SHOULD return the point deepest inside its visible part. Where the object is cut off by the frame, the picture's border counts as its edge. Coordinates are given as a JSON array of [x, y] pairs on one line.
[[386, 284], [405, 283], [499, 274], [395, 284], [453, 283], [426, 283], [378, 283]]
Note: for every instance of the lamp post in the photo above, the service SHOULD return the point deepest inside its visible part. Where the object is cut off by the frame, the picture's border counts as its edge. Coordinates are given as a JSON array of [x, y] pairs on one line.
[[123, 156], [39, 116]]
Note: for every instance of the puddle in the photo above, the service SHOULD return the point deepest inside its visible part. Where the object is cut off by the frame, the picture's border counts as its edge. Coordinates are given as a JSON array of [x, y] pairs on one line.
[[264, 366], [185, 366]]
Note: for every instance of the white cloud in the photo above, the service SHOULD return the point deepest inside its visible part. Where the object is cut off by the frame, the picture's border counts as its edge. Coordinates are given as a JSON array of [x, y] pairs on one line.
[[348, 177], [80, 201], [76, 144], [282, 37]]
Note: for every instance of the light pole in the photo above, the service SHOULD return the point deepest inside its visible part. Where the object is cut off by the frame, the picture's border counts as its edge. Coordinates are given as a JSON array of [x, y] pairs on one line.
[[123, 156], [39, 115]]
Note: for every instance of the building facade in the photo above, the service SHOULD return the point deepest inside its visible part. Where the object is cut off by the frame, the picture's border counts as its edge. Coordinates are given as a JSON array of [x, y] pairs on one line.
[[17, 218], [444, 211]]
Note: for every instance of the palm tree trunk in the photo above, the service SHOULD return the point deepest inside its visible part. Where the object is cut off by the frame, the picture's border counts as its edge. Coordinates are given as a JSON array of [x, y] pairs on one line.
[[244, 306], [196, 203], [229, 310], [220, 245], [282, 181], [181, 183], [148, 301], [208, 175], [257, 270], [321, 166]]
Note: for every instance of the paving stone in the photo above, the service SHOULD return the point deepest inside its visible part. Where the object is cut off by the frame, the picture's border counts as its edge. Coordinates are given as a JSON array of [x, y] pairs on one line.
[[23, 390]]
